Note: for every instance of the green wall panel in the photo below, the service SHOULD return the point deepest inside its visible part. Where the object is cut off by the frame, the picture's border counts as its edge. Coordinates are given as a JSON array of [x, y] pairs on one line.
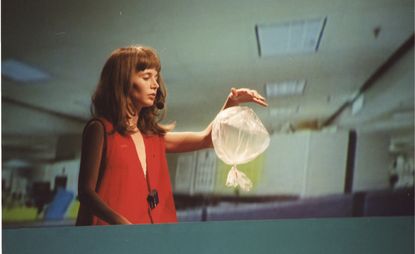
[[348, 235]]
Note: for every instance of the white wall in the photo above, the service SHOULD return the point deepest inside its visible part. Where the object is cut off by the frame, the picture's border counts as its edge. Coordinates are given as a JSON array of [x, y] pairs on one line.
[[306, 164], [285, 164], [372, 162], [326, 169]]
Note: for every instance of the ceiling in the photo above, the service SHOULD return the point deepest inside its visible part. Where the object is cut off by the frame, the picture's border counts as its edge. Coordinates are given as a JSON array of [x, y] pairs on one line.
[[206, 47]]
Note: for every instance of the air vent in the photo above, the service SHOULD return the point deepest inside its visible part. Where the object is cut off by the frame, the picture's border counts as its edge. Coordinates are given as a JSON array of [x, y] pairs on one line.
[[300, 36], [21, 72]]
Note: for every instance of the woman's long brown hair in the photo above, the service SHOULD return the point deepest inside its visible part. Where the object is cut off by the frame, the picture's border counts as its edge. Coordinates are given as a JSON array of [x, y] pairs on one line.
[[111, 99]]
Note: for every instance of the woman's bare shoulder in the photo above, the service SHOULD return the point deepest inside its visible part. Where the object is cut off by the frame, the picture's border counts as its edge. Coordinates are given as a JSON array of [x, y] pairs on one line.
[[94, 128]]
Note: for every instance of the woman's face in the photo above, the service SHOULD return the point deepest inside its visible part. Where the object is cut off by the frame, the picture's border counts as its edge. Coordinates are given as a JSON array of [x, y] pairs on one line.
[[144, 89]]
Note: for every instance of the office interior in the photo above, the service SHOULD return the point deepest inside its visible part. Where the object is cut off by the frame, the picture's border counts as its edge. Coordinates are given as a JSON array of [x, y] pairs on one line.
[[338, 77]]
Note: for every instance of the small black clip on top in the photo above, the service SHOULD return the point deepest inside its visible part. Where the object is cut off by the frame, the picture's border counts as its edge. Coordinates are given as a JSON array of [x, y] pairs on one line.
[[153, 199]]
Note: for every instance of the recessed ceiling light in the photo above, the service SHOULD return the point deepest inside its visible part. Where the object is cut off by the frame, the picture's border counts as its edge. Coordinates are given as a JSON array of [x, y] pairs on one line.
[[299, 36], [284, 88], [22, 72], [16, 163], [404, 115], [283, 111], [358, 104]]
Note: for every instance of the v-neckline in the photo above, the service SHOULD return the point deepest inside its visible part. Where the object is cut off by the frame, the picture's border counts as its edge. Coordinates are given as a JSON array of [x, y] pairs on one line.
[[138, 157]]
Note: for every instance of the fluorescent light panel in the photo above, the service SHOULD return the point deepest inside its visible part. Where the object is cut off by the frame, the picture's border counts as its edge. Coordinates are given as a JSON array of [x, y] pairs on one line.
[[283, 111], [401, 116], [22, 72], [299, 36], [285, 88]]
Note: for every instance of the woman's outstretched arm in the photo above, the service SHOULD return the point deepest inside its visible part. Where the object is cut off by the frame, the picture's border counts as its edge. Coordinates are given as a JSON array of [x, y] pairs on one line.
[[92, 144], [191, 141]]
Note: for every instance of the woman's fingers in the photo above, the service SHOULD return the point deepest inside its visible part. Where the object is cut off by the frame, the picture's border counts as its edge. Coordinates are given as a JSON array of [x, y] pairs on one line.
[[261, 102], [248, 95], [259, 96], [256, 97]]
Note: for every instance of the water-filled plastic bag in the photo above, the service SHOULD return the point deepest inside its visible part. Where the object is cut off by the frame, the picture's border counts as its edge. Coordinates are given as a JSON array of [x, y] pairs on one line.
[[238, 137]]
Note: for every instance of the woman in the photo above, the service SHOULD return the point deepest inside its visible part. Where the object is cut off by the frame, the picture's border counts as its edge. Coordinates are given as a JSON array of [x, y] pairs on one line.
[[123, 176]]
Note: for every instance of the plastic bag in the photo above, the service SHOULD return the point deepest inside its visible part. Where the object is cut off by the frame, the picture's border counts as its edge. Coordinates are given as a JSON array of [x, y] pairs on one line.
[[238, 137]]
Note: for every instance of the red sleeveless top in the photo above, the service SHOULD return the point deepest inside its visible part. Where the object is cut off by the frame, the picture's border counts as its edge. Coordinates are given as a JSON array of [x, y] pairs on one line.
[[125, 188]]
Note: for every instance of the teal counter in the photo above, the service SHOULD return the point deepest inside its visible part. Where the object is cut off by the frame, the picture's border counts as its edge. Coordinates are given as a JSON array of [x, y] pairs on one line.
[[294, 236]]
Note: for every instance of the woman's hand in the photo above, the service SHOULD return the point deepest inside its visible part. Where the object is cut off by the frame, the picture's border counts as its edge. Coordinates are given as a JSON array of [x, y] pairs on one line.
[[242, 95]]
